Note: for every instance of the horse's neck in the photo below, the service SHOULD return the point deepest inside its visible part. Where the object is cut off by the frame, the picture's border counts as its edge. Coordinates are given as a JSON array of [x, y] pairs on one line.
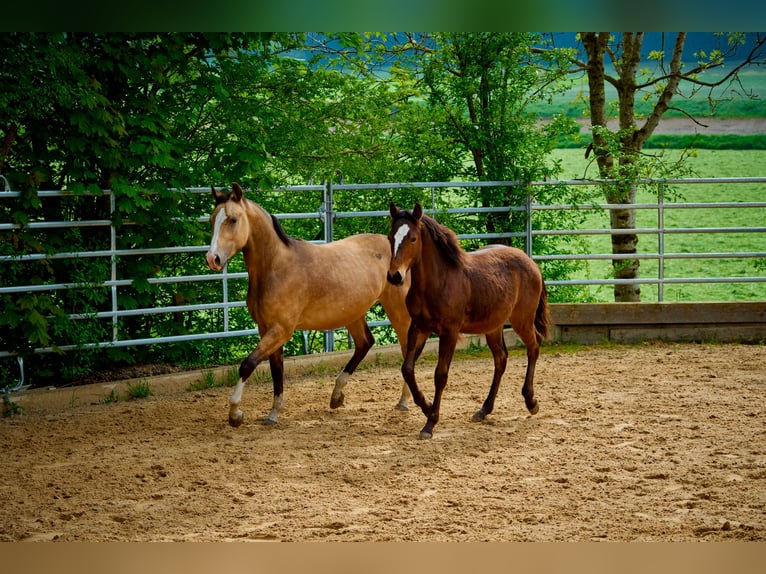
[[263, 242], [429, 273]]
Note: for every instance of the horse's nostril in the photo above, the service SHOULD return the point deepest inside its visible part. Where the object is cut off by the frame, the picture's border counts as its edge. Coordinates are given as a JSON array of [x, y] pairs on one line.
[[217, 261], [395, 279]]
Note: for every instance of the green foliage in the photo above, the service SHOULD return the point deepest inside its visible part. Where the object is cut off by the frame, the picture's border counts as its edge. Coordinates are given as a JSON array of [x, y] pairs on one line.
[[703, 141], [208, 380], [685, 141], [138, 390], [11, 408], [478, 87]]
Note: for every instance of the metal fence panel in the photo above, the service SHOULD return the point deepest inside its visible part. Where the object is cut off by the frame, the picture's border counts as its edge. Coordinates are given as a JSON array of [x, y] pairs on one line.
[[326, 212]]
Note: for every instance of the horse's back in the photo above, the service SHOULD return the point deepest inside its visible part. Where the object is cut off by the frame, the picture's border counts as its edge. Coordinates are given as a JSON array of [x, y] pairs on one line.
[[343, 279], [502, 261], [505, 282]]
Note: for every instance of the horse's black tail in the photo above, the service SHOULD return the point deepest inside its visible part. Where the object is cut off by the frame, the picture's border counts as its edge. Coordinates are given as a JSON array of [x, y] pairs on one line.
[[543, 315]]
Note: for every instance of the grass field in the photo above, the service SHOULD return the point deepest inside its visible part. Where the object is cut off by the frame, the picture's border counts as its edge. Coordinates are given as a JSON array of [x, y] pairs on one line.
[[707, 163], [745, 100]]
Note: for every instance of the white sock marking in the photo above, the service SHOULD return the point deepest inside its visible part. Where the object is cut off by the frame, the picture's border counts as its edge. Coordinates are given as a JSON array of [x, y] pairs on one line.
[[236, 396]]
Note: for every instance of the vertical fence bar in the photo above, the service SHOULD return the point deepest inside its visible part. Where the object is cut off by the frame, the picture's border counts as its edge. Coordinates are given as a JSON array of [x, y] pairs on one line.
[[329, 336], [528, 223], [661, 241], [113, 258], [225, 287]]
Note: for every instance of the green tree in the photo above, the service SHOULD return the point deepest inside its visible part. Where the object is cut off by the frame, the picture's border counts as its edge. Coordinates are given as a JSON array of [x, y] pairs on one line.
[[128, 112], [466, 100], [481, 85], [618, 151], [138, 112]]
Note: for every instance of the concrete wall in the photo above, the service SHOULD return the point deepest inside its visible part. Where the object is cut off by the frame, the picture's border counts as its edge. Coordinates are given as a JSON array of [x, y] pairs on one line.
[[630, 322]]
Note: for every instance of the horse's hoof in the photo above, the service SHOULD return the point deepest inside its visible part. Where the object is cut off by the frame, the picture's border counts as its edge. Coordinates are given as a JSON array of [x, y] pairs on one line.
[[402, 407], [478, 416], [269, 422], [534, 409], [425, 434], [236, 419], [335, 403]]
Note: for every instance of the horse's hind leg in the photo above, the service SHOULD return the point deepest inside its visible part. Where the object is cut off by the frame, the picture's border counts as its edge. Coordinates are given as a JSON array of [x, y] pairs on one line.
[[393, 301], [532, 341], [496, 344], [363, 341], [401, 325]]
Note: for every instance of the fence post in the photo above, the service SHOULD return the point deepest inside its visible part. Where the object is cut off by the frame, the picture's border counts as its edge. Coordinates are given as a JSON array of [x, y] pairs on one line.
[[225, 297], [113, 257], [528, 225], [661, 241], [328, 211], [328, 214]]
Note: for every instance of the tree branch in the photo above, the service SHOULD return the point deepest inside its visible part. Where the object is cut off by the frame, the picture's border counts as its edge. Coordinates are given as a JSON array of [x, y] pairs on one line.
[[663, 102]]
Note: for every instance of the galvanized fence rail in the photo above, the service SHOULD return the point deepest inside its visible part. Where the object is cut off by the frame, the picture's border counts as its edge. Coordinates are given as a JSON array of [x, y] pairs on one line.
[[327, 214]]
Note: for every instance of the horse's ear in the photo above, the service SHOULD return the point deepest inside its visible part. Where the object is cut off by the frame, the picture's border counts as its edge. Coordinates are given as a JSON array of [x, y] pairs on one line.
[[217, 195], [236, 191], [417, 211], [394, 210]]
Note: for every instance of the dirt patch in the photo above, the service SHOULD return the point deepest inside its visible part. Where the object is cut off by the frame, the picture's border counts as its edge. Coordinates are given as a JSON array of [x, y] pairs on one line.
[[708, 126], [648, 442]]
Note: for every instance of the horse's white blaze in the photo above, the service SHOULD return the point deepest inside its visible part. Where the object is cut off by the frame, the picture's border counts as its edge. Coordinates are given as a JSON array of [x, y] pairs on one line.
[[219, 219], [399, 236], [213, 251]]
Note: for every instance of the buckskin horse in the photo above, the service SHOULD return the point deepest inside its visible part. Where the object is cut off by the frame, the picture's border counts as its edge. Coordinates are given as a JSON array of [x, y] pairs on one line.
[[453, 292], [295, 284]]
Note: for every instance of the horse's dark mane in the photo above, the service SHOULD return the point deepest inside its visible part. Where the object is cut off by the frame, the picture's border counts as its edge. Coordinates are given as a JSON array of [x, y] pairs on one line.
[[445, 240], [281, 233]]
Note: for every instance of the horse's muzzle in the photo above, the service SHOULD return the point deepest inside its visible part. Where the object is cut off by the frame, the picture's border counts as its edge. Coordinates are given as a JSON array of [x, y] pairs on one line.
[[395, 279], [214, 262]]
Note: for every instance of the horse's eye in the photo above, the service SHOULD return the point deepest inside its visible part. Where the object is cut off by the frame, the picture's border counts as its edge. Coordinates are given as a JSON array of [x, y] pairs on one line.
[[413, 239], [232, 221]]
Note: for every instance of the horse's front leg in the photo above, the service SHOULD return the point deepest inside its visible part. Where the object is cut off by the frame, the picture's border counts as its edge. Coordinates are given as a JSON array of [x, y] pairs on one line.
[[416, 340], [277, 366], [271, 342], [447, 343]]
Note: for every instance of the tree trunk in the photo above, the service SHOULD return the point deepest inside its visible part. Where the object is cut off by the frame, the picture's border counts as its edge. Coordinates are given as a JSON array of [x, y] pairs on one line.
[[596, 46], [630, 138], [624, 244]]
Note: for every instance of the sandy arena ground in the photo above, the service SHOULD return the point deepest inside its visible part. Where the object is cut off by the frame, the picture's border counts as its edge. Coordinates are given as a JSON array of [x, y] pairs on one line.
[[650, 442]]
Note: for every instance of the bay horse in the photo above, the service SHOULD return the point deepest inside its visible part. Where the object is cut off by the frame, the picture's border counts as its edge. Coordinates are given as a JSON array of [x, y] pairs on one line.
[[295, 284], [453, 292]]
